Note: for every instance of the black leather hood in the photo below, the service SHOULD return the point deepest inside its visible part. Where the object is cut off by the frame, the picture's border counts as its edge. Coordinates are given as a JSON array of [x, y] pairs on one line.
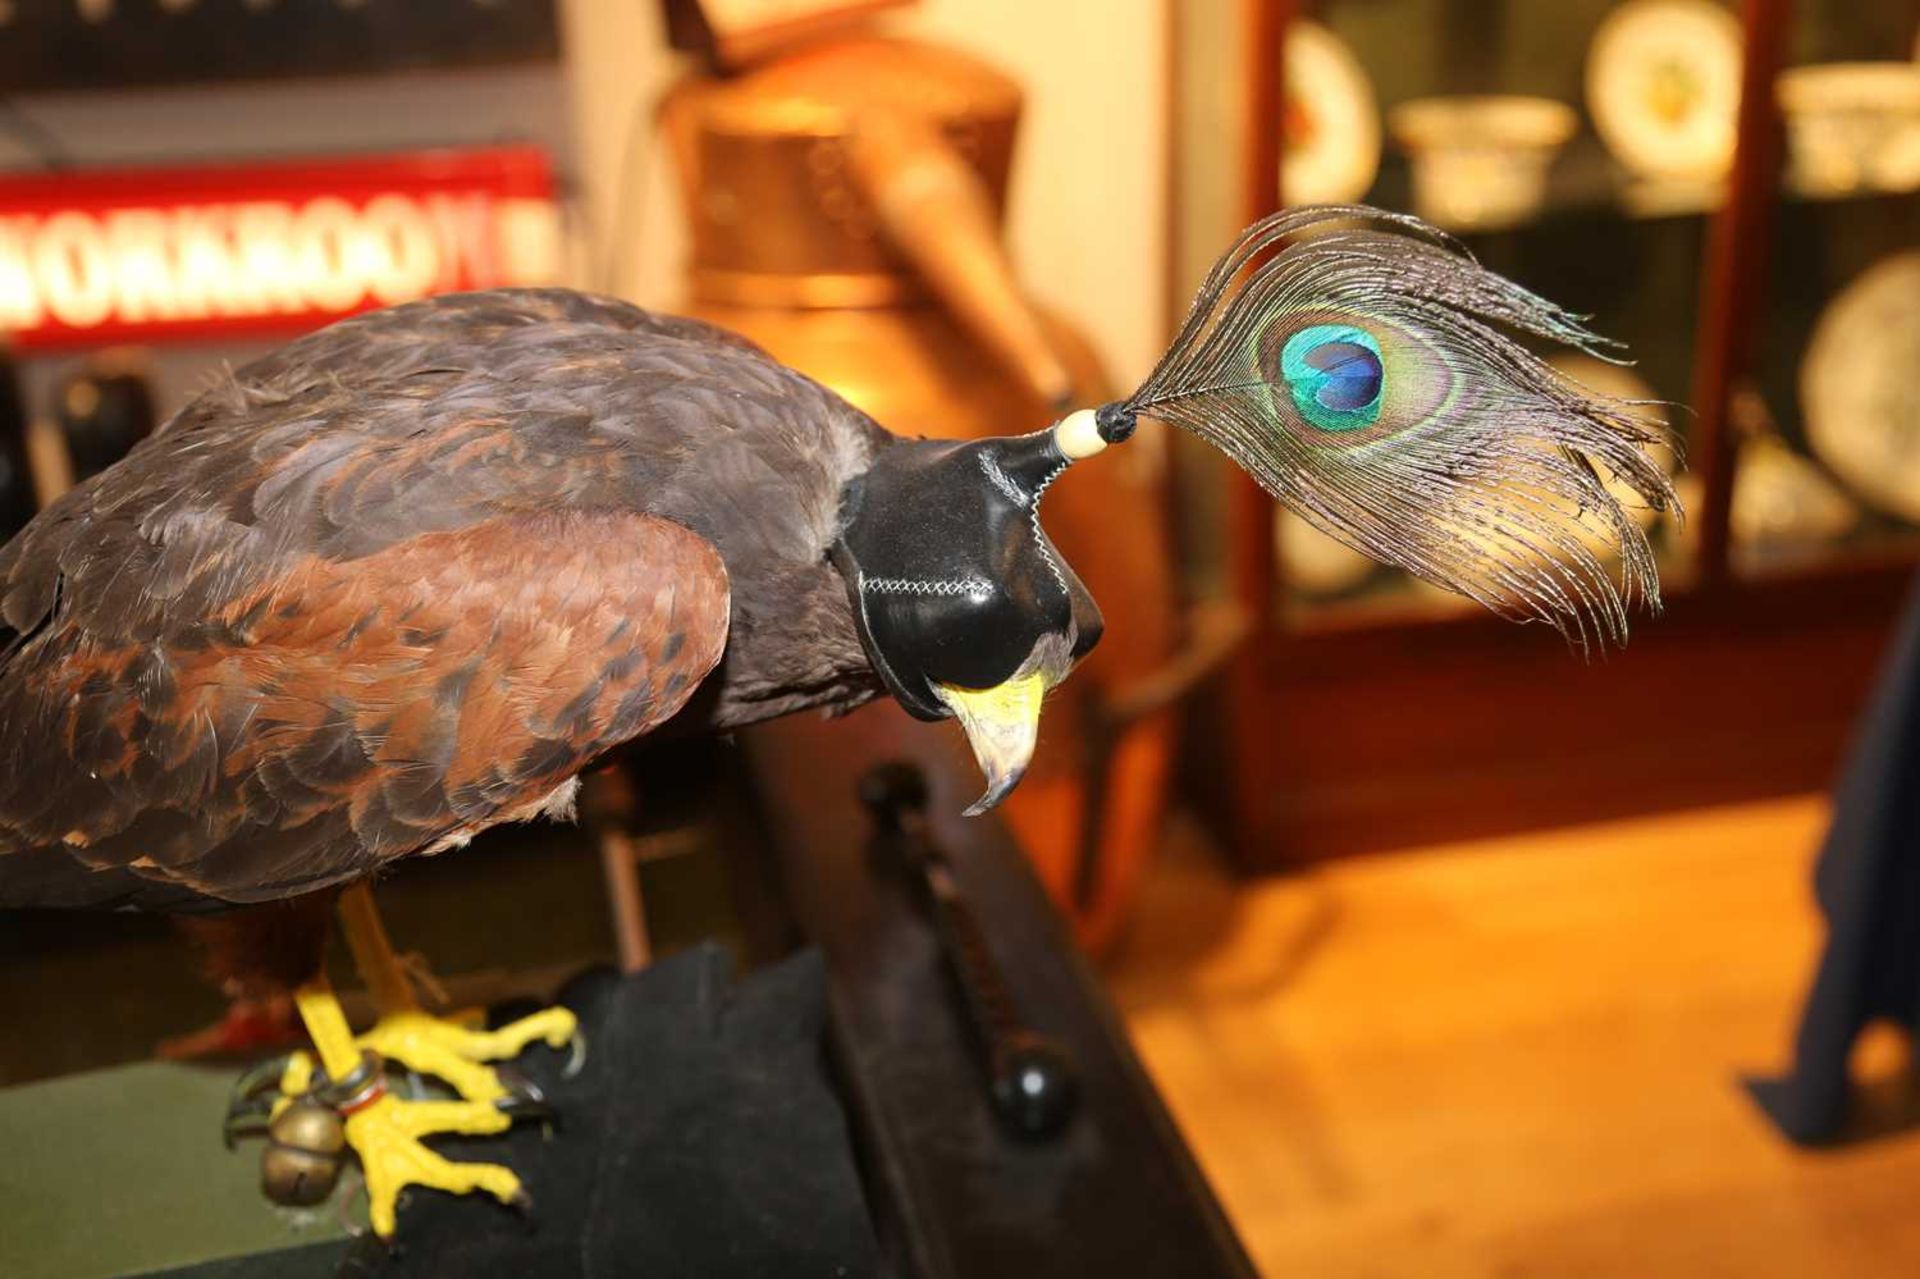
[[951, 576]]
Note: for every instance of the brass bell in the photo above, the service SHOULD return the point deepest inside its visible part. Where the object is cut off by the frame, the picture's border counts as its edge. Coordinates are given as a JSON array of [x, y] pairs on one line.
[[306, 1148]]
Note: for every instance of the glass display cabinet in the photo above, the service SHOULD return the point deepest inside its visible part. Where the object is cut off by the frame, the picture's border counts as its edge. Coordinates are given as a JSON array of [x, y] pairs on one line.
[[1733, 190]]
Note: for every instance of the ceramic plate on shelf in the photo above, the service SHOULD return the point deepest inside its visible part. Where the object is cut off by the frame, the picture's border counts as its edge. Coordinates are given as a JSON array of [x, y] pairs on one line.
[[1858, 389], [1663, 87], [1330, 133], [1786, 509], [1782, 501], [1315, 564]]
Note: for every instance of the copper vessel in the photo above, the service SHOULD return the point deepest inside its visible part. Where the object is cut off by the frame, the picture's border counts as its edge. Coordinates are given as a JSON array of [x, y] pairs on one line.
[[846, 205]]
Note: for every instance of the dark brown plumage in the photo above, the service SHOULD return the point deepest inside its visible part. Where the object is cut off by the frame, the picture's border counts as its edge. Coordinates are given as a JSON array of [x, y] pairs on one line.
[[401, 581]]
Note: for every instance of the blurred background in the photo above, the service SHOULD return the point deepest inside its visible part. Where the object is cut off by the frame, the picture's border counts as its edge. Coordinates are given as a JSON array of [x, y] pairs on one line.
[[1448, 950]]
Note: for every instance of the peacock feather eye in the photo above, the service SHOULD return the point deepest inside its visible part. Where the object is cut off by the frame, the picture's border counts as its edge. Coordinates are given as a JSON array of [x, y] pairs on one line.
[[1364, 369], [1336, 376]]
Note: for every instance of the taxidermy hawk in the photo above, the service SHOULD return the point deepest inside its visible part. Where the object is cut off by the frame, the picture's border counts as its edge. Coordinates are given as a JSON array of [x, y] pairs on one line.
[[405, 578]]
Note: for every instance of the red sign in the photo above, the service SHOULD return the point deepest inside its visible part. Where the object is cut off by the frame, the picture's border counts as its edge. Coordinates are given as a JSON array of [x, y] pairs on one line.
[[148, 255]]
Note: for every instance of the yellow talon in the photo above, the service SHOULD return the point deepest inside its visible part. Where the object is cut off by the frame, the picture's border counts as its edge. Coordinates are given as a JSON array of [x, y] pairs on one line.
[[386, 1135], [556, 1027], [295, 1080], [435, 1045], [453, 1053]]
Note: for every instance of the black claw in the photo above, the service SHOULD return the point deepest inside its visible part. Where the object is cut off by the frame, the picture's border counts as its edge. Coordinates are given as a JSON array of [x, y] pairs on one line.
[[371, 1254], [522, 1205], [250, 1102], [525, 1099], [240, 1124], [259, 1078]]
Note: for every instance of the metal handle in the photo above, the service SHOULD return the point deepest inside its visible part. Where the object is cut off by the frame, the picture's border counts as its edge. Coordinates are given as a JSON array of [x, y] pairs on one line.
[[1031, 1079]]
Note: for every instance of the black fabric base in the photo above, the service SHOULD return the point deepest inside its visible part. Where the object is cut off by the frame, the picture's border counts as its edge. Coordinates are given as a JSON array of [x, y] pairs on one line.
[[702, 1138]]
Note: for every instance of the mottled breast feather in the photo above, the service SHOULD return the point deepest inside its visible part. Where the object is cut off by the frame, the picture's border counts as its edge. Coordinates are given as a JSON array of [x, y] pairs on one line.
[[397, 582]]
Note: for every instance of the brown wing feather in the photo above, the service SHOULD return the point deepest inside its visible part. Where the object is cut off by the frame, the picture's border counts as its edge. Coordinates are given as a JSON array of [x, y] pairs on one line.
[[344, 713]]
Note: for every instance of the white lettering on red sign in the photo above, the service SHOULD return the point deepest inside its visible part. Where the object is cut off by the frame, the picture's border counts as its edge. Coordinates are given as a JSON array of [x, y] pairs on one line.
[[133, 266]]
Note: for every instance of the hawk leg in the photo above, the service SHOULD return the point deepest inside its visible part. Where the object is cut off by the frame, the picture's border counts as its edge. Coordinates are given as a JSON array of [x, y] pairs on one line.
[[442, 1047]]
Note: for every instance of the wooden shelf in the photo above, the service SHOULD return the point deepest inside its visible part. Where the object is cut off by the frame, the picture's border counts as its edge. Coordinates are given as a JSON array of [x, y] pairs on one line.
[[1464, 725]]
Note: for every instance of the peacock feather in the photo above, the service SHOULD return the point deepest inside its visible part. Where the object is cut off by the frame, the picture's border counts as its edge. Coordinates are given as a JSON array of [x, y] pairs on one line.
[[1358, 364]]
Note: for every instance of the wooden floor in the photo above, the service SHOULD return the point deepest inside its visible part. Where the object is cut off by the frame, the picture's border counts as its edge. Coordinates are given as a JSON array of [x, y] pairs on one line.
[[1514, 1058]]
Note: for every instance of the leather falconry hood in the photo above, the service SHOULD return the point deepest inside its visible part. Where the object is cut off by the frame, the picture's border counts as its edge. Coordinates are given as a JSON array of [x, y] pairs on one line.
[[952, 578]]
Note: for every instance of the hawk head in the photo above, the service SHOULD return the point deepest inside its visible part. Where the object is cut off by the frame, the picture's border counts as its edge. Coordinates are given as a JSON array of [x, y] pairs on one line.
[[966, 609]]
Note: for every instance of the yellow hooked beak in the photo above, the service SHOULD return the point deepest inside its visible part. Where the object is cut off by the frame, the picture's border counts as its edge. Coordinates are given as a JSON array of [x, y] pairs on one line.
[[1002, 724]]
